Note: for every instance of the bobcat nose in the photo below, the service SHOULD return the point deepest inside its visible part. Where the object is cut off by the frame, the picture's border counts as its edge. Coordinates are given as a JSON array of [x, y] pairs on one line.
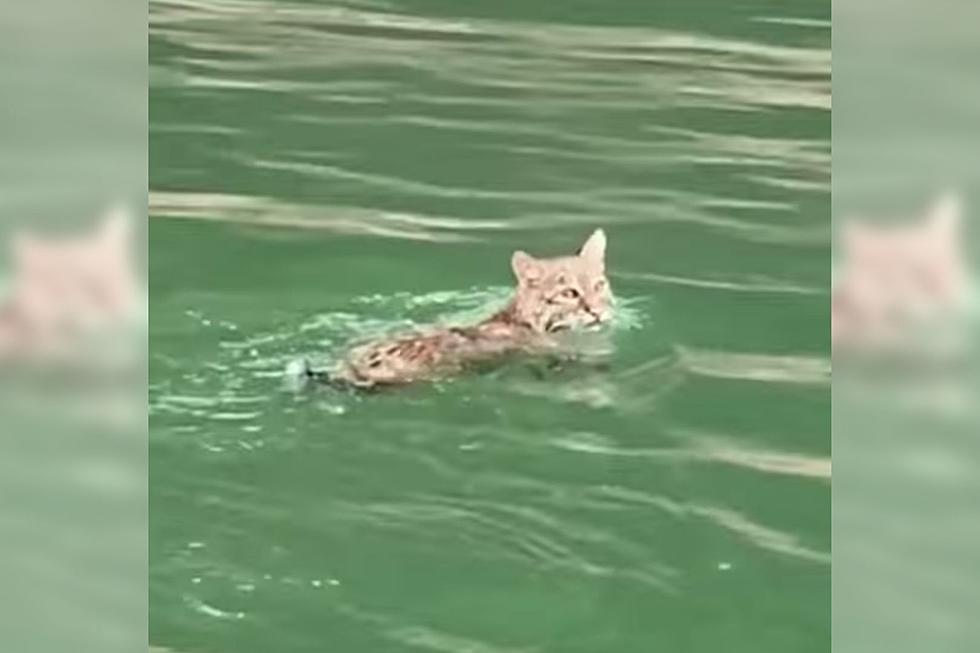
[[598, 316]]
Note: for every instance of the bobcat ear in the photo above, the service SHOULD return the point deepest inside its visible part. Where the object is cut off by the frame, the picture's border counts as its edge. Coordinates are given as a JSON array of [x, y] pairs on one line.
[[946, 214], [116, 225], [525, 267], [594, 249]]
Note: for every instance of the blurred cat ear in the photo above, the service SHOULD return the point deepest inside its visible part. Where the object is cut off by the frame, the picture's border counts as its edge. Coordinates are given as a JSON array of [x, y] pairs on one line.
[[946, 214], [116, 225], [525, 267], [594, 249]]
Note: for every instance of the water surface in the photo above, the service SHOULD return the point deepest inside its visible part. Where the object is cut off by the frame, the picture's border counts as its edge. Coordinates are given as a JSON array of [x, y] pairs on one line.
[[324, 171]]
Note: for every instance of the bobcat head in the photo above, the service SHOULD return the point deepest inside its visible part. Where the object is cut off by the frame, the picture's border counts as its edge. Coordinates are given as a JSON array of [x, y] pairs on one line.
[[554, 294], [73, 281], [895, 276]]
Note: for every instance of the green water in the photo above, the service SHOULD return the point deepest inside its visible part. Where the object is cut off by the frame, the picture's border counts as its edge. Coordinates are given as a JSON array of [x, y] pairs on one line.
[[324, 171]]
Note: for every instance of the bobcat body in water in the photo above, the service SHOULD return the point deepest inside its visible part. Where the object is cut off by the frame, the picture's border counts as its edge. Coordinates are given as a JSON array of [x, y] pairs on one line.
[[552, 295]]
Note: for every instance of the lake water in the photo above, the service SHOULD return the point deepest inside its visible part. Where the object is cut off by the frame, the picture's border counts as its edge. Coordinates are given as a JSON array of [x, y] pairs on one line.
[[323, 171]]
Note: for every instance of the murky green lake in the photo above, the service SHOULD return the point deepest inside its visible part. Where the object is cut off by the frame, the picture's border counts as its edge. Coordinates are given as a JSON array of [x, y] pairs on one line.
[[323, 171]]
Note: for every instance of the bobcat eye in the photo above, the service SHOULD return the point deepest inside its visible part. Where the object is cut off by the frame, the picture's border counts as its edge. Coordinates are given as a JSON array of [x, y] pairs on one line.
[[570, 293]]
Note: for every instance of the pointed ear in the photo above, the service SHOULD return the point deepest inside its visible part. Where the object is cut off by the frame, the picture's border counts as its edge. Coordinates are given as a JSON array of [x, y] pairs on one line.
[[946, 215], [116, 226], [594, 249], [525, 267]]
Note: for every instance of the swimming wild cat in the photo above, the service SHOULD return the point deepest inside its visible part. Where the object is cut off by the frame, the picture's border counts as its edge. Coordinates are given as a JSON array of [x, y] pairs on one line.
[[552, 295]]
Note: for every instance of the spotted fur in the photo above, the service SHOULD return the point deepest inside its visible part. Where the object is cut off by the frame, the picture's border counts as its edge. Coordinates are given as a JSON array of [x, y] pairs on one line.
[[552, 295]]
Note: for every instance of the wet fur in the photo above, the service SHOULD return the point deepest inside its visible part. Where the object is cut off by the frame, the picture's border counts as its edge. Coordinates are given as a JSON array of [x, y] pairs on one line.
[[552, 295]]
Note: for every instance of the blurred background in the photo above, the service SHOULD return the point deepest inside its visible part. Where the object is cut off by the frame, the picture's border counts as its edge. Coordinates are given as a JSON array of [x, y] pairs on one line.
[[325, 171], [72, 390], [905, 429]]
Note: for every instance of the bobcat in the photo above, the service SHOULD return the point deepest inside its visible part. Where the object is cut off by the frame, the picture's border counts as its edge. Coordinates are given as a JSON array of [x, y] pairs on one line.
[[898, 279], [64, 288], [552, 295]]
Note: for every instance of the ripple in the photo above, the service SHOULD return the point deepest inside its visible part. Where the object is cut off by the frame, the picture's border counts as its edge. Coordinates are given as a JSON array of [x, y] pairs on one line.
[[726, 449], [750, 286], [521, 534], [268, 212], [756, 367], [210, 611], [434, 640], [565, 66], [761, 536]]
